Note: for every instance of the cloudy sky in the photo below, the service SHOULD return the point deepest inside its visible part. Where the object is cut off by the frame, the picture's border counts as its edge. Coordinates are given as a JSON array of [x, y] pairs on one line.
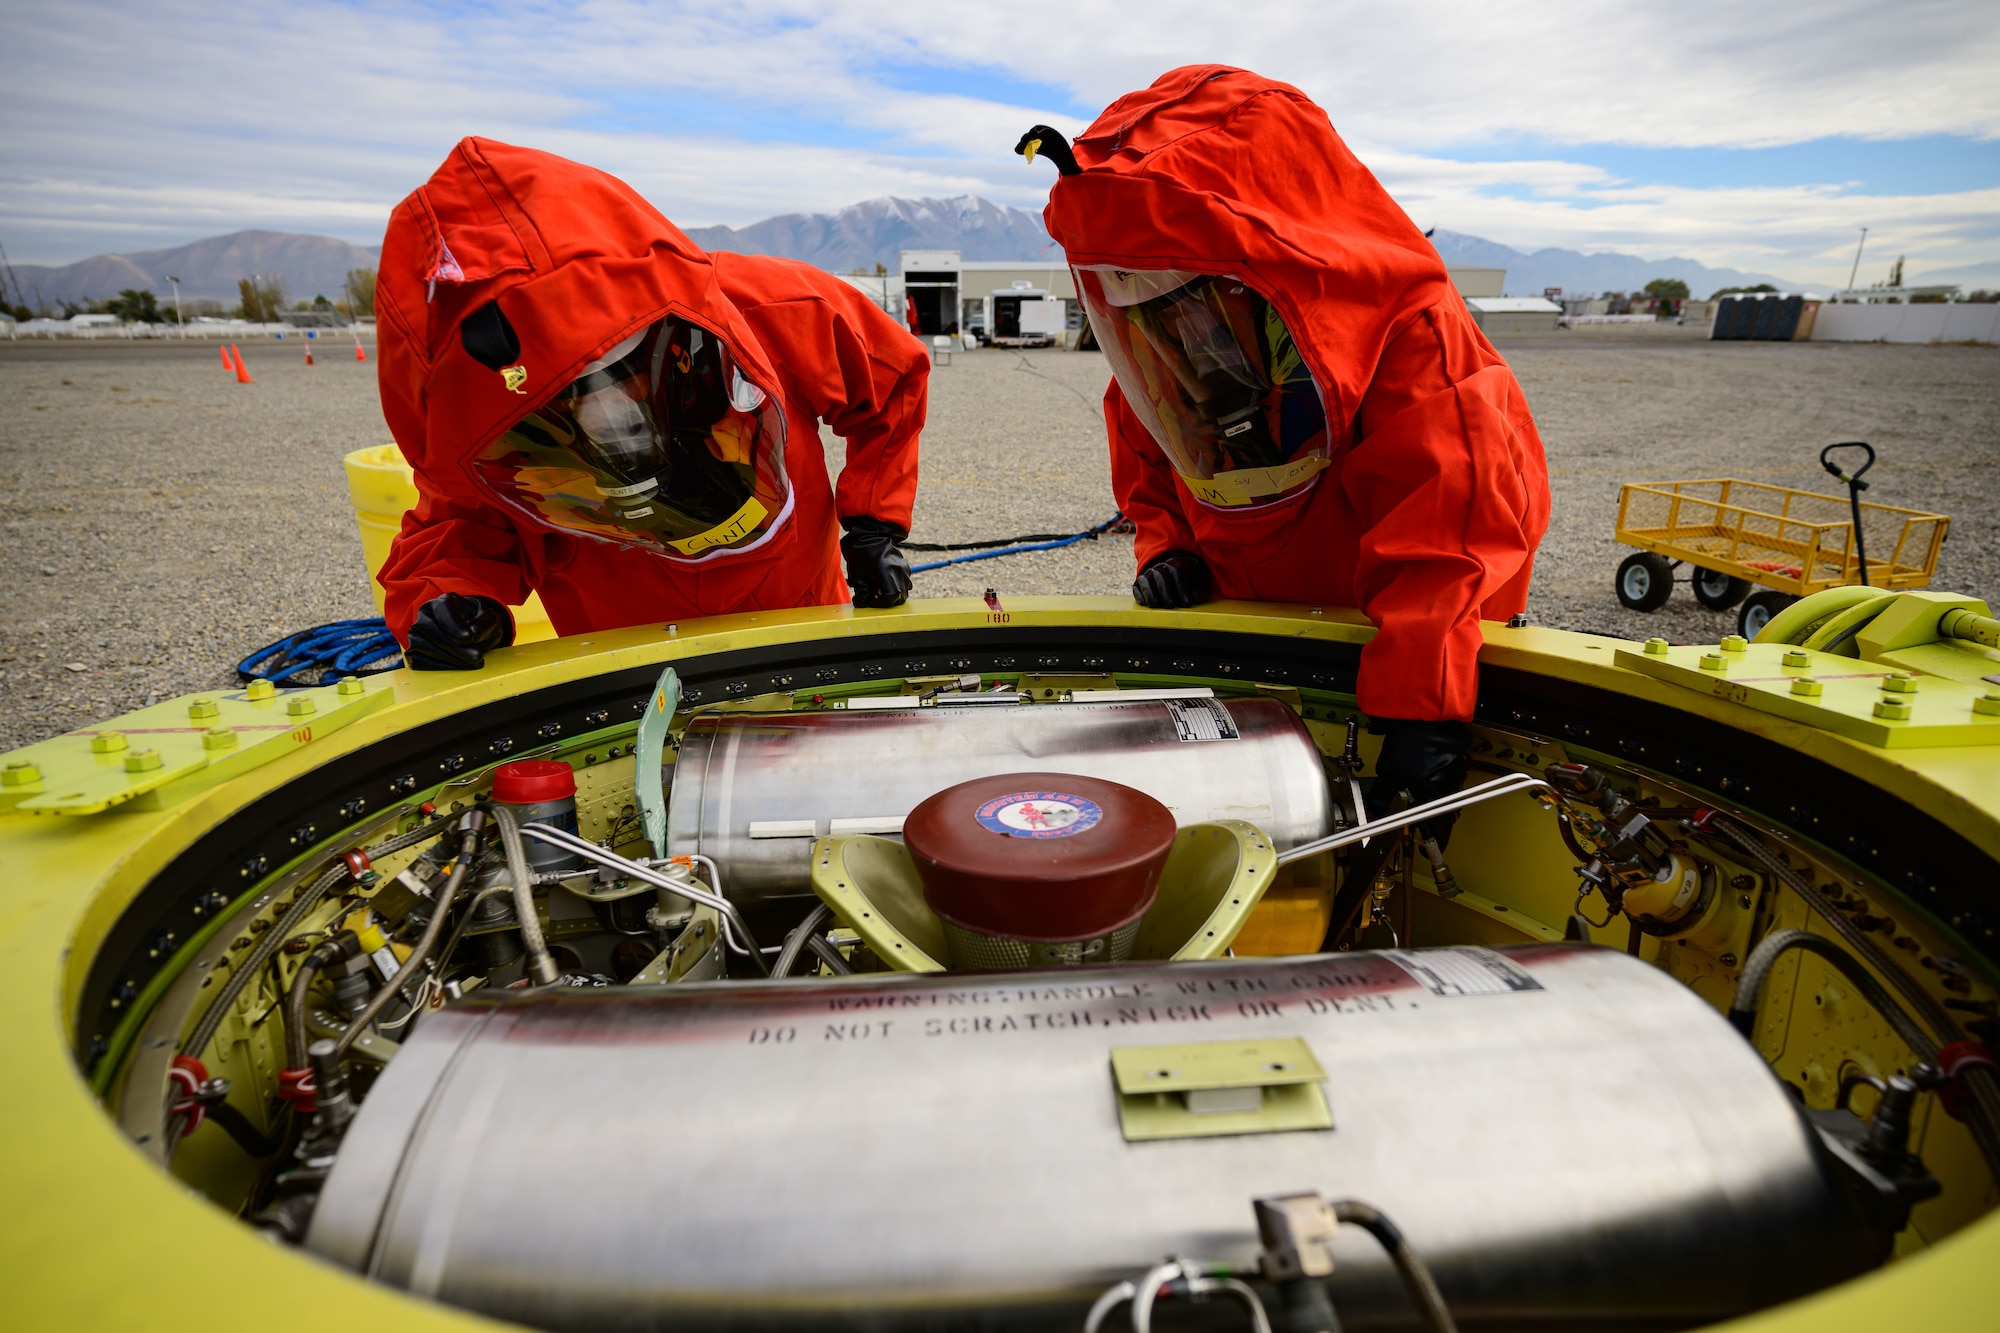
[[1754, 135]]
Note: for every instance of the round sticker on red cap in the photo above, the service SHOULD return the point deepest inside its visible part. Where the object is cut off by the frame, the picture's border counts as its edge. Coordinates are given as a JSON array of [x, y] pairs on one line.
[[1039, 814]]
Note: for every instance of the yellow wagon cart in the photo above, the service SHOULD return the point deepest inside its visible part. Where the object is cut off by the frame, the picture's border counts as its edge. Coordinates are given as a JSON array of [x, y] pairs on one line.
[[1787, 543]]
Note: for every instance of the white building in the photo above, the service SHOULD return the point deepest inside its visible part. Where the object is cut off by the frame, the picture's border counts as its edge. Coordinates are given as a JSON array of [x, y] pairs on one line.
[[1474, 281], [956, 295], [952, 294], [1514, 314]]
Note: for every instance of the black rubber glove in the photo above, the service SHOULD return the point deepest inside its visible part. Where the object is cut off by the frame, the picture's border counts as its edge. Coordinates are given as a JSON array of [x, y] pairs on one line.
[[1173, 579], [1426, 759], [878, 573], [455, 632]]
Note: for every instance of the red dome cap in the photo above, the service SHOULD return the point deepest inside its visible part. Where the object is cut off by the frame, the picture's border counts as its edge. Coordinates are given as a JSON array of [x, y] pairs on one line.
[[532, 780], [1043, 857]]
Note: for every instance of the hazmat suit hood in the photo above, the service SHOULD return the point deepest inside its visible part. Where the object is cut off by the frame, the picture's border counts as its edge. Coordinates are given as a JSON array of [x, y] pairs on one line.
[[1214, 170], [522, 300], [1300, 398]]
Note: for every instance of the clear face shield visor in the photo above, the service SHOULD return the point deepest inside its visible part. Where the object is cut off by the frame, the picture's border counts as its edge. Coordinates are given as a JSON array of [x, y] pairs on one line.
[[661, 443], [1209, 367]]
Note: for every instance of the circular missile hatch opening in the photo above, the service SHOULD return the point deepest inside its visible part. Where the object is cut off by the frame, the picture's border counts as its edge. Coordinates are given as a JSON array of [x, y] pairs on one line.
[[948, 916]]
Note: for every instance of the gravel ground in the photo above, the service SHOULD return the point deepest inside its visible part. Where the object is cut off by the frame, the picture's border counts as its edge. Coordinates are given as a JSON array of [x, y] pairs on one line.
[[1618, 409], [159, 521]]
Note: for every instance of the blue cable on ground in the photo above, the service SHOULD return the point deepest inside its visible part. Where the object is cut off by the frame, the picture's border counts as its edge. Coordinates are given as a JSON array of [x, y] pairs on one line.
[[1085, 535], [314, 656]]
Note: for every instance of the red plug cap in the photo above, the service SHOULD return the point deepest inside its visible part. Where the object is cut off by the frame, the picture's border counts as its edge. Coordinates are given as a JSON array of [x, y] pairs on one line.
[[532, 780]]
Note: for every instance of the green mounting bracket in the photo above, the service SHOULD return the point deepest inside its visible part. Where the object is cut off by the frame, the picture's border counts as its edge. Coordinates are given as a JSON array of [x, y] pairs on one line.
[[666, 698]]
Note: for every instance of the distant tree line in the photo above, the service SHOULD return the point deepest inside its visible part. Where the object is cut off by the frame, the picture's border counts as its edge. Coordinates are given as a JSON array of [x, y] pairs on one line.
[[260, 300]]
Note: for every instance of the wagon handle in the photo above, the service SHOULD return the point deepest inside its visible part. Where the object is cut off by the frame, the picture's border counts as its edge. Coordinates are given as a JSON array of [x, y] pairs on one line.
[[1854, 488]]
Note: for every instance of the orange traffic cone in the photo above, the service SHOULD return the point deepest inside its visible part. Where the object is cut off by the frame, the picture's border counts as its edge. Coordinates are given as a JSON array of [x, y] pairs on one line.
[[227, 364], [309, 353], [242, 371], [359, 355]]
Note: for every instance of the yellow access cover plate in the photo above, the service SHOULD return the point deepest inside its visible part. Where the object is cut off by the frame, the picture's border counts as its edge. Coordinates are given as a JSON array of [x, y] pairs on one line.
[[207, 737], [1942, 712], [1162, 1090]]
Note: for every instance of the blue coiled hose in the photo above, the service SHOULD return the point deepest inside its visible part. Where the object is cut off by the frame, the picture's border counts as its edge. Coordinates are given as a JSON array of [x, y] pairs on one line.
[[311, 657]]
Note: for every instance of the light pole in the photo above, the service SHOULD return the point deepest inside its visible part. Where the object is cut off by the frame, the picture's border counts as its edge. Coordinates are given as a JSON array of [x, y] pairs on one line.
[[1851, 273], [179, 318]]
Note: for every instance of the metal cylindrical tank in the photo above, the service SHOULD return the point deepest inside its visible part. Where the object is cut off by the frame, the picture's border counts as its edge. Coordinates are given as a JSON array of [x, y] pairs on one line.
[[1567, 1135], [754, 790]]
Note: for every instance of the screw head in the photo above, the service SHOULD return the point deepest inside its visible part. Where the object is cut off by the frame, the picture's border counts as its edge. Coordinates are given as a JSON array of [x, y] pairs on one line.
[[1735, 643], [1797, 657], [1808, 688], [259, 689], [1893, 709], [300, 705], [1987, 704], [1714, 662], [141, 761], [108, 742], [1900, 682], [24, 773], [349, 686], [218, 738], [202, 708], [1656, 647]]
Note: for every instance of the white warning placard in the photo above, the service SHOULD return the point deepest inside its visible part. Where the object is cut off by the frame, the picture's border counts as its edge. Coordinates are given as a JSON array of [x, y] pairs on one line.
[[1201, 720], [1464, 971]]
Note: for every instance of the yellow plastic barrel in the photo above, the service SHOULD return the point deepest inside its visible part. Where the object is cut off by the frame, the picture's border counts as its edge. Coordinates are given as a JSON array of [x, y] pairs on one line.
[[382, 487]]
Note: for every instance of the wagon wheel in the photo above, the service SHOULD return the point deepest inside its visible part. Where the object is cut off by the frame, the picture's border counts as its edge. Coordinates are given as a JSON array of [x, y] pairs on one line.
[[1645, 581], [1718, 591], [1758, 609]]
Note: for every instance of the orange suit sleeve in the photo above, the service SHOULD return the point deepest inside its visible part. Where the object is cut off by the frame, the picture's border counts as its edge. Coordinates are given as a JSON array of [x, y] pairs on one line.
[[1143, 482], [863, 375], [447, 545], [1450, 487]]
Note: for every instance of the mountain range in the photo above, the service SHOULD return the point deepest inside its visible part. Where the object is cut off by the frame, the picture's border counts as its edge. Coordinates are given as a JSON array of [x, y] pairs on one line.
[[873, 232], [859, 236], [1530, 272], [309, 266]]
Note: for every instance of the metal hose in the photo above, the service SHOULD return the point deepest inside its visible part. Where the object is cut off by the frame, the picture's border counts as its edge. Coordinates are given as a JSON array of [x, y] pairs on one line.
[[795, 942], [1757, 970], [830, 956], [1416, 1274], [468, 853], [1984, 1120], [286, 926], [540, 965], [464, 921], [421, 833], [295, 1009], [260, 954]]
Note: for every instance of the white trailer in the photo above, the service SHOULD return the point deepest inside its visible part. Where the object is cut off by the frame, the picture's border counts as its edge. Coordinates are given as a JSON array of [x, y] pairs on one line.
[[1024, 316]]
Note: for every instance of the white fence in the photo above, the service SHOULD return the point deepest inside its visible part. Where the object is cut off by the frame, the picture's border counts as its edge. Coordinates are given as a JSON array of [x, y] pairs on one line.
[[226, 330], [1957, 322]]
